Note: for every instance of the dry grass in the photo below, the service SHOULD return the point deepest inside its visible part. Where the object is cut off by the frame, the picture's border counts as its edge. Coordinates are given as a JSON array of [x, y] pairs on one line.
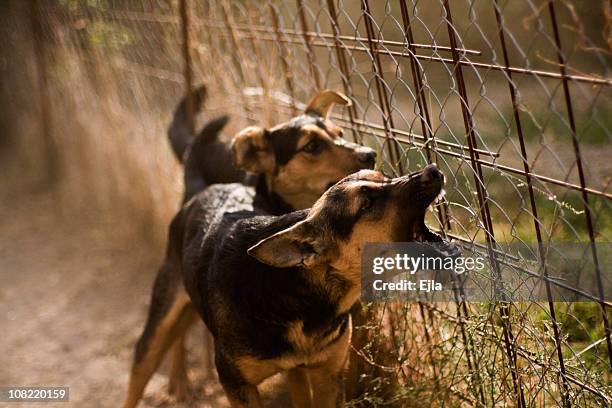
[[114, 74]]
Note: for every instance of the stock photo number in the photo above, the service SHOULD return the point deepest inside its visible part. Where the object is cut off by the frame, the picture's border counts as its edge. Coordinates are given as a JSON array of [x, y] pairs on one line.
[[34, 394]]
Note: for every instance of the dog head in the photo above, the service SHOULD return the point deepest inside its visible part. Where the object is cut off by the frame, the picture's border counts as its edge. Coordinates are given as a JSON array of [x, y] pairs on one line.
[[304, 156], [363, 207]]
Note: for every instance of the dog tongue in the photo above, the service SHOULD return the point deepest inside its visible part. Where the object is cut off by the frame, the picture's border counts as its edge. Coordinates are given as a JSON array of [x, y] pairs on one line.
[[448, 248], [445, 247]]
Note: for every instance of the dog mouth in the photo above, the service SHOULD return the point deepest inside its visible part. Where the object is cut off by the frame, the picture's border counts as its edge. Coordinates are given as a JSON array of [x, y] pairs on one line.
[[443, 247], [430, 186], [432, 241], [421, 233], [431, 189]]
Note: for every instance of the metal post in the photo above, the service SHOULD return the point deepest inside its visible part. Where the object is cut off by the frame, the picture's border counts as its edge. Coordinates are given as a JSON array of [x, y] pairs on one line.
[[43, 89], [483, 200], [187, 64], [342, 64], [581, 176], [309, 51], [536, 221], [381, 89]]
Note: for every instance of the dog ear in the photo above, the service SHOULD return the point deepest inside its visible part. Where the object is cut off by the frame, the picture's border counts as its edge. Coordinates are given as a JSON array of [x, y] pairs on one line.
[[322, 103], [296, 246], [251, 150]]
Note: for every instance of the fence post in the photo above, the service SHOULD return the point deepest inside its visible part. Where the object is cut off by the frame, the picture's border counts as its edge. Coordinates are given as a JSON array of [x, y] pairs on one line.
[[239, 59], [383, 97], [534, 209], [585, 197], [43, 89], [188, 78], [421, 100], [352, 110], [187, 64], [309, 51], [483, 200], [283, 55]]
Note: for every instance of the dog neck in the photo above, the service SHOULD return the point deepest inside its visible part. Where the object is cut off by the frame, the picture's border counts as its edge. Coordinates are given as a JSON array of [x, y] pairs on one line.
[[344, 289], [270, 201]]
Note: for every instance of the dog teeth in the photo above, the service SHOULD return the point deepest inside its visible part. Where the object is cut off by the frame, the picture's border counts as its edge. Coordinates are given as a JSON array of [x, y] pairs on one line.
[[451, 249]]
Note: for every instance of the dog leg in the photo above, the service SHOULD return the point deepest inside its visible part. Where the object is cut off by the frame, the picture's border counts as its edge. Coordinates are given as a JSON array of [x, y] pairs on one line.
[[327, 378], [239, 392], [244, 397], [169, 315], [299, 386], [178, 384], [327, 387]]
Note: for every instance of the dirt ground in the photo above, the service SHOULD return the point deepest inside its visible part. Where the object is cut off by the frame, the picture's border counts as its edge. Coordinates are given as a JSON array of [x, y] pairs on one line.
[[73, 303]]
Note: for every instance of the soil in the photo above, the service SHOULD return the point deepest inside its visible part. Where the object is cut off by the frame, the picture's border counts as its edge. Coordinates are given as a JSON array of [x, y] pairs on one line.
[[73, 303]]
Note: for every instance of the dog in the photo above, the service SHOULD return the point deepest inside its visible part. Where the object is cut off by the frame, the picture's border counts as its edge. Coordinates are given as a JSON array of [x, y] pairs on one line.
[[205, 158], [288, 166], [276, 291]]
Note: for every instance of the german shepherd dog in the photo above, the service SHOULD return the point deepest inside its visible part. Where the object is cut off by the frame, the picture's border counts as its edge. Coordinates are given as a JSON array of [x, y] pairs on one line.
[[276, 291], [289, 167]]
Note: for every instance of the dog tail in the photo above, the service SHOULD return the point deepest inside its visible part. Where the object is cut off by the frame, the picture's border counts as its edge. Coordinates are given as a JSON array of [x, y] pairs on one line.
[[206, 159], [209, 160], [179, 132]]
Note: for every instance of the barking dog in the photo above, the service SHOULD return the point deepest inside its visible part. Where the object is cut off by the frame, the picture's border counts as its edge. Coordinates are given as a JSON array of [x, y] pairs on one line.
[[293, 164], [276, 291]]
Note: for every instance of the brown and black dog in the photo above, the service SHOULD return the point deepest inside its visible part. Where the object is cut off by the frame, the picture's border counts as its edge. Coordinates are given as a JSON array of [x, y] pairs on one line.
[[276, 291], [290, 166]]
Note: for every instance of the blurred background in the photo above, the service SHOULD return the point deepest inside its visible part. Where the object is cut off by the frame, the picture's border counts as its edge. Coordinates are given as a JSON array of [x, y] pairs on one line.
[[510, 98]]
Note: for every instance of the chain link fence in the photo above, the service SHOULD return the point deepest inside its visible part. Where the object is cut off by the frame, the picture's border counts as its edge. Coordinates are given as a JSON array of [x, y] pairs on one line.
[[510, 98]]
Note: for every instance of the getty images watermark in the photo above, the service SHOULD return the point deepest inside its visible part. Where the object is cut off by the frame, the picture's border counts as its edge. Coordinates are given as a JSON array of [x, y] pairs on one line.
[[476, 272]]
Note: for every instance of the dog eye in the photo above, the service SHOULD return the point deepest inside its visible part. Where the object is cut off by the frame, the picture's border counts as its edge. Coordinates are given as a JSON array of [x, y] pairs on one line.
[[313, 147]]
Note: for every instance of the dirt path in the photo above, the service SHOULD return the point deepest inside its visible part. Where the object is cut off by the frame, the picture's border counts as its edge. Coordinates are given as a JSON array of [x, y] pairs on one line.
[[71, 302]]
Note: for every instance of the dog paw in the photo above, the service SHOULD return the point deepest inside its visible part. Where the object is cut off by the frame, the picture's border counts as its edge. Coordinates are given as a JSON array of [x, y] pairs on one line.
[[179, 387]]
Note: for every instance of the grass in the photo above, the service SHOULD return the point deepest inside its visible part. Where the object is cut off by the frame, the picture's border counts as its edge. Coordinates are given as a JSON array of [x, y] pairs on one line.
[[115, 154]]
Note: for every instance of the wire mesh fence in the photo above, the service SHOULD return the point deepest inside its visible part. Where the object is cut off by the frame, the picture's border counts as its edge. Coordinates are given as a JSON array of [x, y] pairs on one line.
[[510, 98]]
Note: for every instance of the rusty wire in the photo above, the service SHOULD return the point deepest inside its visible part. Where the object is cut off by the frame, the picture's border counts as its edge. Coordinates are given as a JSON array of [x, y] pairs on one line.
[[510, 99]]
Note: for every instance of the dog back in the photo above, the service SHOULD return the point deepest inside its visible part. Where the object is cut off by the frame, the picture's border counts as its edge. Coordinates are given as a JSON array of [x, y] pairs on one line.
[[247, 305]]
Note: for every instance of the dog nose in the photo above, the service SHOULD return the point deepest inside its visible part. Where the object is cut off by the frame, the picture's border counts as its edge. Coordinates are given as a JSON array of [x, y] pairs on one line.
[[431, 173], [366, 157]]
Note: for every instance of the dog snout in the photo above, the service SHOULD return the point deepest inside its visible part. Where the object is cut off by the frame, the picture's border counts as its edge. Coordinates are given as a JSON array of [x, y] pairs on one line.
[[431, 173], [366, 157]]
